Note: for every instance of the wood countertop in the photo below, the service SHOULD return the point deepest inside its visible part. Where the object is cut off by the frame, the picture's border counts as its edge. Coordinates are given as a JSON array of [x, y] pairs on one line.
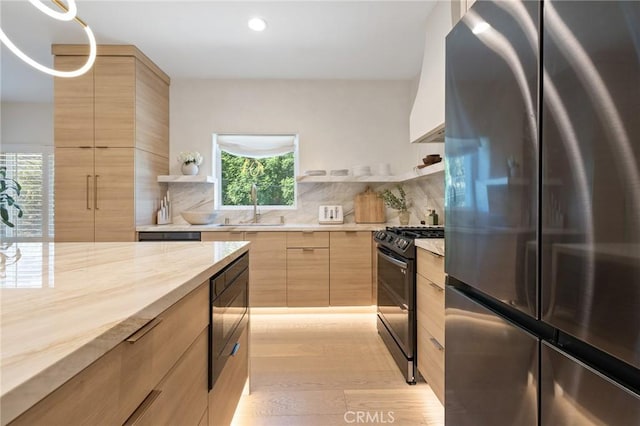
[[64, 305]]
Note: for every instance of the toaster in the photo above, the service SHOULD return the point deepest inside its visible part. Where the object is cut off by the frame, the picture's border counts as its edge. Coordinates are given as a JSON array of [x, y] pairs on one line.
[[328, 215]]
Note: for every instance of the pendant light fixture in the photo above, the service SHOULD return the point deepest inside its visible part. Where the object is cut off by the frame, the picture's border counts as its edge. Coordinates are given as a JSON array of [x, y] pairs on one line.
[[69, 13]]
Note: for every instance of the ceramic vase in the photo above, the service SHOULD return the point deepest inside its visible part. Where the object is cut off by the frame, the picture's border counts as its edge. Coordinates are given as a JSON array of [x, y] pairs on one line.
[[403, 216], [189, 169]]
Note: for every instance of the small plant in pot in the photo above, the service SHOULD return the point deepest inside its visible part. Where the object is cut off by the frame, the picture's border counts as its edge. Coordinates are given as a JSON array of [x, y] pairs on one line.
[[397, 202], [9, 192]]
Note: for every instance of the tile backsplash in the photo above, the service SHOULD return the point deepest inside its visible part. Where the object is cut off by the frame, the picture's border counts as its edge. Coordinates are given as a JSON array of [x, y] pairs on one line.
[[423, 194]]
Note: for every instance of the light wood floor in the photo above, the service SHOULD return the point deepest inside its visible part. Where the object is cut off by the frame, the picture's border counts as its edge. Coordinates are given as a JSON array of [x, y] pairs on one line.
[[327, 367]]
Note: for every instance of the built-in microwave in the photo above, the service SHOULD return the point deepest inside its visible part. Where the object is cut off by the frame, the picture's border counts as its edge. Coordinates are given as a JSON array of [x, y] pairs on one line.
[[228, 313]]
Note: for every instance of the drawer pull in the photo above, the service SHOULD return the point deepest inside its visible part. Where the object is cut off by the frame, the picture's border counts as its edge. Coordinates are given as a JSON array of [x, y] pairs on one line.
[[436, 286], [404, 307], [235, 349], [235, 232], [250, 232], [436, 344], [307, 232], [142, 408], [144, 330], [308, 249]]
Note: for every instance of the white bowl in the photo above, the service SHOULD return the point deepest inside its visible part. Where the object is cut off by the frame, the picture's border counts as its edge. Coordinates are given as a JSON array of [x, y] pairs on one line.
[[199, 218]]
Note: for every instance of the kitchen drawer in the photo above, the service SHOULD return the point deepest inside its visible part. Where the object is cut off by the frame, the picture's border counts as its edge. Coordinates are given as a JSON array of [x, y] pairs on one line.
[[89, 398], [149, 353], [179, 326], [431, 362], [430, 303], [307, 239], [181, 397], [431, 266], [226, 393]]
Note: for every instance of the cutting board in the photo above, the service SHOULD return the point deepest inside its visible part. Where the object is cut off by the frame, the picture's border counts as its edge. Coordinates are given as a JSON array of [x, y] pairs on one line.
[[368, 208]]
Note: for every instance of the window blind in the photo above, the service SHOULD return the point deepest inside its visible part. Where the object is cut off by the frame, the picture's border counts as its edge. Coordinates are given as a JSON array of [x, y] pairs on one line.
[[34, 172]]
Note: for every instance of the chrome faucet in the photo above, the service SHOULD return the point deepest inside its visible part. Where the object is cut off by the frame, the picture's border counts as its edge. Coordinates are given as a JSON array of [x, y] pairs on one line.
[[254, 200]]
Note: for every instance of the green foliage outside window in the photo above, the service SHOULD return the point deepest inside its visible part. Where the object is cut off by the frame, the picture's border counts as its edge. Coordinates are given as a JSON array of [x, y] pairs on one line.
[[274, 177]]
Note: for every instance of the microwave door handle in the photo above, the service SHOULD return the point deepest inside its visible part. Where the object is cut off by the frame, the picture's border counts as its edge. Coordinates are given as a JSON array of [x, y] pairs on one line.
[[396, 262]]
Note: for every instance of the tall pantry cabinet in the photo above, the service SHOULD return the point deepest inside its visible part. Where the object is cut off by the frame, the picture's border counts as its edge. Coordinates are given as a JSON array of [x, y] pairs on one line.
[[111, 132]]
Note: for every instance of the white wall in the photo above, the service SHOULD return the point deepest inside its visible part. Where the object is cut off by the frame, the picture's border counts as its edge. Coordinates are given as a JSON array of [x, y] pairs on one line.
[[26, 123], [341, 123]]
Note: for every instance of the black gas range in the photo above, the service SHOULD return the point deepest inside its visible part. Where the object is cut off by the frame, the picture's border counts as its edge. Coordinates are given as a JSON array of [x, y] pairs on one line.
[[397, 292], [400, 239]]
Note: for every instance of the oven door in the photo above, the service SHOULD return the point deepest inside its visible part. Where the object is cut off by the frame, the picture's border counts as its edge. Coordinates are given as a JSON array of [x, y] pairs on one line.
[[228, 320], [396, 298]]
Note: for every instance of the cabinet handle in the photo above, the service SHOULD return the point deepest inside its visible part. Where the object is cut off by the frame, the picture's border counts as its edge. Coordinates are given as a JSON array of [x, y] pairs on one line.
[[307, 232], [144, 330], [95, 191], [235, 232], [404, 307], [251, 232], [308, 249], [435, 343], [88, 204], [436, 286], [142, 408]]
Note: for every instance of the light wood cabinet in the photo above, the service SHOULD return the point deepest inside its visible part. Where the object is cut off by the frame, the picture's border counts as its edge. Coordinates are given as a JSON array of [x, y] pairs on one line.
[[350, 268], [74, 191], [430, 319], [268, 268], [181, 397], [267, 264], [310, 268], [118, 115], [160, 358], [307, 276], [307, 268]]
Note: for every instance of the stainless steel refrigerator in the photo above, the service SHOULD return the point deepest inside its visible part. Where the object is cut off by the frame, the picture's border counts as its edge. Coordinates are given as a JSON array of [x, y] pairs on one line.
[[542, 210]]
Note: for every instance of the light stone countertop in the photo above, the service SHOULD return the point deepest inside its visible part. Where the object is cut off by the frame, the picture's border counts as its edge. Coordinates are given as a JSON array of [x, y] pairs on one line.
[[434, 245], [285, 227], [64, 305]]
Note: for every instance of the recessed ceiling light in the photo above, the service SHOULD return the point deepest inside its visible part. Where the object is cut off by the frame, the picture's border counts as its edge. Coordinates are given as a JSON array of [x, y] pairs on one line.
[[257, 24]]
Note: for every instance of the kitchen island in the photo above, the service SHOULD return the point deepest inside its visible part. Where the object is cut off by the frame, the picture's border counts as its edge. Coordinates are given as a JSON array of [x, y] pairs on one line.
[[93, 297]]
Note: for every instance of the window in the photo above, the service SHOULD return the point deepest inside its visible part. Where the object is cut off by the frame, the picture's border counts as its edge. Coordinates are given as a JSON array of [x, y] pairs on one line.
[[32, 167], [268, 161]]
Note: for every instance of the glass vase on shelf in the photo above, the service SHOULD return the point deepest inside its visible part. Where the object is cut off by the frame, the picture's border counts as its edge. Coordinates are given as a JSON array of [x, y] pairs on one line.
[[403, 216], [189, 169]]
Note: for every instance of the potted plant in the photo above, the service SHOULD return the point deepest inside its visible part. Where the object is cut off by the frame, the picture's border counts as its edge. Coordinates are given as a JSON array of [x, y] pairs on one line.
[[190, 162], [397, 202], [9, 191]]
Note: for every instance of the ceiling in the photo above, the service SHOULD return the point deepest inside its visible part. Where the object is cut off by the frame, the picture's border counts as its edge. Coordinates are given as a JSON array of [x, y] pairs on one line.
[[210, 39]]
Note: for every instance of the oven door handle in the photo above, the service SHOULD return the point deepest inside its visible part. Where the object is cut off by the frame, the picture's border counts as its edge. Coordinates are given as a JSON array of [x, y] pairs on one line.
[[395, 261]]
